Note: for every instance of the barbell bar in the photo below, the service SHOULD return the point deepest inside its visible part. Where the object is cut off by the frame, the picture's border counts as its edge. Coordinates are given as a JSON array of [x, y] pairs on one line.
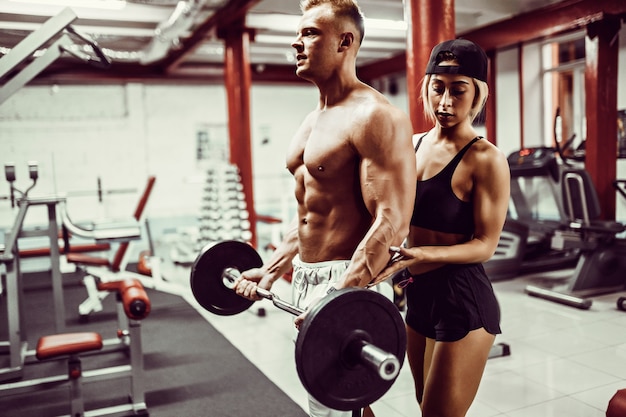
[[351, 345], [384, 363]]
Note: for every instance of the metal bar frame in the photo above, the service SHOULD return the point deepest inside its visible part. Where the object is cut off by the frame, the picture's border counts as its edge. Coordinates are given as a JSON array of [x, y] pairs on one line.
[[50, 28]]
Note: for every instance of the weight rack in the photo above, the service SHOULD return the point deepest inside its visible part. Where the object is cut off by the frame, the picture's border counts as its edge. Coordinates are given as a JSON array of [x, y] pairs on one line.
[[223, 213]]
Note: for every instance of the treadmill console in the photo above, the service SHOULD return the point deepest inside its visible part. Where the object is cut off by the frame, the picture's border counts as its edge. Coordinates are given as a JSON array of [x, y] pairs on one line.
[[534, 162]]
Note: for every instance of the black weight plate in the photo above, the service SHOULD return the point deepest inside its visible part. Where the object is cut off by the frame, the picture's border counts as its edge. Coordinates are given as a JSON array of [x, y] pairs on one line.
[[206, 276], [326, 375]]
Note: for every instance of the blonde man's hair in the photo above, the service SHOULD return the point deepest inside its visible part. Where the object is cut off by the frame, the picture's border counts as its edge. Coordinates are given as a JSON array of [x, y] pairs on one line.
[[342, 8]]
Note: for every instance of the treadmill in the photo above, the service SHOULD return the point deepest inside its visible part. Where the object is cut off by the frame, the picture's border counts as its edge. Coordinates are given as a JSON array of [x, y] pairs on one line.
[[535, 212]]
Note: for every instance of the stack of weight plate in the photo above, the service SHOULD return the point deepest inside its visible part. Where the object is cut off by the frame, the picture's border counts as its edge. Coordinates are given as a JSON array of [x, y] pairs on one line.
[[224, 215]]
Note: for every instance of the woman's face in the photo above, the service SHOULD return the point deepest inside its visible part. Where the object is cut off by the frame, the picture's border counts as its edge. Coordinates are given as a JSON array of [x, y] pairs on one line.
[[451, 98]]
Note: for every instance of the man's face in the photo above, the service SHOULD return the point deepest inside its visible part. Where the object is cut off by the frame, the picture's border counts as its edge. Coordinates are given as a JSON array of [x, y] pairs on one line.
[[316, 43]]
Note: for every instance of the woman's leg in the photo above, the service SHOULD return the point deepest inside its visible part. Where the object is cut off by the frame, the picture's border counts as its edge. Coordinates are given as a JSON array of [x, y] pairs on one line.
[[455, 374], [416, 356]]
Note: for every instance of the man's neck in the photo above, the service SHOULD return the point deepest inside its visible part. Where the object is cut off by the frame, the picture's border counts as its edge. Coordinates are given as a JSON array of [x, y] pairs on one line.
[[333, 93]]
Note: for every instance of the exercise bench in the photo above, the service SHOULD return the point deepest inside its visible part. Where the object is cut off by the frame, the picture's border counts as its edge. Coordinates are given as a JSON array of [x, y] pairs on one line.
[[101, 269], [134, 305]]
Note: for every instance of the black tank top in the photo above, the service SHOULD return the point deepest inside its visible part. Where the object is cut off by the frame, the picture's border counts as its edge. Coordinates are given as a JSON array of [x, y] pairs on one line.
[[437, 207]]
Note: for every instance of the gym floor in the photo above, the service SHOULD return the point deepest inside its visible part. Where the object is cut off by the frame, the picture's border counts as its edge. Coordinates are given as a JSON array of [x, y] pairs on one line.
[[563, 362]]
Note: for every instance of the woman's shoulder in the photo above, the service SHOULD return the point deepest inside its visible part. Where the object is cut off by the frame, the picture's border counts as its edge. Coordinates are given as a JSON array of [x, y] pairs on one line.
[[487, 154], [482, 144], [417, 137]]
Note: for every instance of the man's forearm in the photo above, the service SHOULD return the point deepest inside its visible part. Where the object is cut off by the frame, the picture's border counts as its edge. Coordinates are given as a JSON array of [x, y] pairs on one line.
[[280, 261], [371, 256]]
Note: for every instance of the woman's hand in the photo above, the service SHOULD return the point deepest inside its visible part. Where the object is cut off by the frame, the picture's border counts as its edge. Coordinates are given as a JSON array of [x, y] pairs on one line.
[[401, 258]]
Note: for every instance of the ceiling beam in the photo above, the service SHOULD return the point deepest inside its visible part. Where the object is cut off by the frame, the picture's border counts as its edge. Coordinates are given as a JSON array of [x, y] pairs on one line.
[[379, 69], [231, 11], [541, 23], [548, 21], [66, 72], [276, 74]]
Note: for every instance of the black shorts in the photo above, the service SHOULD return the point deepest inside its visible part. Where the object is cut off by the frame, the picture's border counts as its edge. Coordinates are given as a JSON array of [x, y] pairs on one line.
[[445, 304]]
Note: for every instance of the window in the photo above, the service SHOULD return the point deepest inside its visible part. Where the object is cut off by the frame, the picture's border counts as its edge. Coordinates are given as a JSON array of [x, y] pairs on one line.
[[563, 62]]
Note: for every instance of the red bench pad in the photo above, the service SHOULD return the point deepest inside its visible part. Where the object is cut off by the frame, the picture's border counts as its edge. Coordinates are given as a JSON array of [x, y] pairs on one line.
[[67, 344], [134, 297], [81, 258]]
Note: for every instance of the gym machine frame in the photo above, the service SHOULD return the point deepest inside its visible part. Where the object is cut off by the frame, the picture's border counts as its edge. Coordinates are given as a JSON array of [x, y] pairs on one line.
[[600, 268], [620, 186], [98, 269], [133, 305], [28, 46], [9, 257], [50, 29], [16, 345]]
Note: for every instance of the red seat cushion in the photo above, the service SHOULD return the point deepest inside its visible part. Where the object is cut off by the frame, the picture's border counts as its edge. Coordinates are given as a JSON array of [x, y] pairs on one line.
[[67, 344]]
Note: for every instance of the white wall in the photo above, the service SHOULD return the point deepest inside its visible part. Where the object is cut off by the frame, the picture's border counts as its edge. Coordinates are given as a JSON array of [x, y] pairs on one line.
[[533, 110], [507, 101], [122, 134], [277, 112]]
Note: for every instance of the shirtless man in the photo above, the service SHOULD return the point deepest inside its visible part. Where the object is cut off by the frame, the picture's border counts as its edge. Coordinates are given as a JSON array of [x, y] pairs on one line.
[[353, 163]]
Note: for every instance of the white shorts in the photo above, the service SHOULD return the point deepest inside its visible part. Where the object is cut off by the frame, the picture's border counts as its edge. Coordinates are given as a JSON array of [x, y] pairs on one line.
[[312, 280], [309, 281]]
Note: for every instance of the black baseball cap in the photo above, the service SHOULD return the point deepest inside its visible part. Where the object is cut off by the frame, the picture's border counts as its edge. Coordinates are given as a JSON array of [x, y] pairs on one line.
[[471, 58]]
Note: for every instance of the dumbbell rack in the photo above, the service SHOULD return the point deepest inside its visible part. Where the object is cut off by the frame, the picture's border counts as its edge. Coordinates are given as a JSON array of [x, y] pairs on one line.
[[223, 214]]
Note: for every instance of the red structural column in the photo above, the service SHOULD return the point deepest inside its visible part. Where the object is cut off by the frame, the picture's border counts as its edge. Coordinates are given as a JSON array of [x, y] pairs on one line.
[[520, 86], [237, 76], [490, 106], [601, 51], [429, 22]]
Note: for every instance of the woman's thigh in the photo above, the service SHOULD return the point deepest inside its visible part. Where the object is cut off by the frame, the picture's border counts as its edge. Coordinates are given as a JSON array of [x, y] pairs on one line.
[[455, 373]]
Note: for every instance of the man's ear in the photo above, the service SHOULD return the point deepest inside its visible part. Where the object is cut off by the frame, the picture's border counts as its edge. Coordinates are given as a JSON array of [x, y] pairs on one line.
[[347, 39]]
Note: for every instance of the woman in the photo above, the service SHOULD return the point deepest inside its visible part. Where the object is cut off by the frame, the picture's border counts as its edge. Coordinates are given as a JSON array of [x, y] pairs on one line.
[[461, 204]]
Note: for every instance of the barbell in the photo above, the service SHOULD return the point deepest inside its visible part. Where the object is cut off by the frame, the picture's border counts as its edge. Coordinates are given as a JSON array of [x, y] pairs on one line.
[[351, 345]]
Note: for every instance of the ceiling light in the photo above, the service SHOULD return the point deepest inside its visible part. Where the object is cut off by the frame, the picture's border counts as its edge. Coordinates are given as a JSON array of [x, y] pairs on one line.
[[95, 4]]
